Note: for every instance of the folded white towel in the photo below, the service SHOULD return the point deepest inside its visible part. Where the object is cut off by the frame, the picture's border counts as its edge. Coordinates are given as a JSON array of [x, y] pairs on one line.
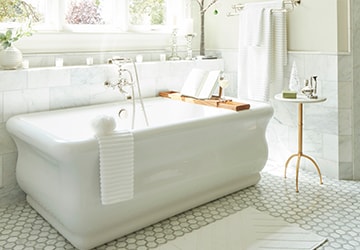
[[116, 153]]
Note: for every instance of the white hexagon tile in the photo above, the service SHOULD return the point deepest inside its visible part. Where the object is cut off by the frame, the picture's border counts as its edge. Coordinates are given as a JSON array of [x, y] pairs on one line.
[[331, 210]]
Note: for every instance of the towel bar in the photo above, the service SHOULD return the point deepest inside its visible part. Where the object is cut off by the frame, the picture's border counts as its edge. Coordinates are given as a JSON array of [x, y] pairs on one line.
[[238, 7]]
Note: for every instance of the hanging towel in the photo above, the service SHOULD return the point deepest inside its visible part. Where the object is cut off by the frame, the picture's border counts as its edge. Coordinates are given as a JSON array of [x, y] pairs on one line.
[[279, 51], [253, 29], [116, 153], [262, 50]]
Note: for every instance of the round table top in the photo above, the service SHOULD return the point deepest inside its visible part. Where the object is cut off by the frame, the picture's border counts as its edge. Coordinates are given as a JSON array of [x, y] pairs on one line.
[[299, 99]]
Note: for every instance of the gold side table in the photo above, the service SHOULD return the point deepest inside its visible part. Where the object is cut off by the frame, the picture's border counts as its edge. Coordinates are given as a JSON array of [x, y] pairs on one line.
[[300, 100]]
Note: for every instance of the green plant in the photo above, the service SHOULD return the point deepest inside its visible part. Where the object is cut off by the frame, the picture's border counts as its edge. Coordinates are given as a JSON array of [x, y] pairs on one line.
[[152, 9], [12, 35], [18, 11]]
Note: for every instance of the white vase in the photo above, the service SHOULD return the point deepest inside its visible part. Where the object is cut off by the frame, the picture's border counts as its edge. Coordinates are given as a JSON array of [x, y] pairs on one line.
[[294, 83], [10, 58]]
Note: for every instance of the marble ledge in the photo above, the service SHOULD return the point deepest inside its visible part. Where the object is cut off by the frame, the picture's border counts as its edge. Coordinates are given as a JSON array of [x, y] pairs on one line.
[[78, 74], [220, 61]]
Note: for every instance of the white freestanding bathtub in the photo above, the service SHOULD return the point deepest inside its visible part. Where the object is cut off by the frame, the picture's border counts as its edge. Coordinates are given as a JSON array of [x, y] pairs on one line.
[[190, 154]]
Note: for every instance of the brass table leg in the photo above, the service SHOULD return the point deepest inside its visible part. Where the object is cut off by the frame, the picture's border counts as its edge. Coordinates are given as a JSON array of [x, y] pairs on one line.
[[300, 153]]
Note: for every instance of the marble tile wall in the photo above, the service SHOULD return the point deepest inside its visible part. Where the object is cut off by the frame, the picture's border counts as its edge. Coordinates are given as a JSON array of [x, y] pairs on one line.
[[49, 88], [347, 127], [355, 46], [328, 126]]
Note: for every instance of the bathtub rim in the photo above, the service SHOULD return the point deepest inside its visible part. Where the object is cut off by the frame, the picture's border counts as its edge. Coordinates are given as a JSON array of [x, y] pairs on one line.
[[41, 139]]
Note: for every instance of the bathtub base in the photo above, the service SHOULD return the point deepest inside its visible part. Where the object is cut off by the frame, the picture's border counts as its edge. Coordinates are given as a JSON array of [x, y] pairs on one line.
[[168, 210]]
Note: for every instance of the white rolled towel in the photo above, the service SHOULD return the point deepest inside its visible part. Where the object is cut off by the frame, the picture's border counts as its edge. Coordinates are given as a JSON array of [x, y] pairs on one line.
[[103, 124]]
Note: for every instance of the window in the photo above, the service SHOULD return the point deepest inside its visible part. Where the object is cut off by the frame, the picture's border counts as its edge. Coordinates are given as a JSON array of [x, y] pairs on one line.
[[12, 11], [86, 12], [93, 15], [147, 12], [17, 11], [77, 15], [118, 22], [155, 14]]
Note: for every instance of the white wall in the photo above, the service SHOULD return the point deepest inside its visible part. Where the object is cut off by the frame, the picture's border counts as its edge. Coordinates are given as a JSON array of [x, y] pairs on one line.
[[220, 31], [320, 25], [314, 25]]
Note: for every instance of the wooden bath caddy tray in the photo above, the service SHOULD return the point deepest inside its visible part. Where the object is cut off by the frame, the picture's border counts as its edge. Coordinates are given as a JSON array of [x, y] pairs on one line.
[[213, 102]]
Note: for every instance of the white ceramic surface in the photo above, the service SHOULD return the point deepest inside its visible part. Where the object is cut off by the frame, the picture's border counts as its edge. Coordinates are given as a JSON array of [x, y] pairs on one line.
[[189, 155]]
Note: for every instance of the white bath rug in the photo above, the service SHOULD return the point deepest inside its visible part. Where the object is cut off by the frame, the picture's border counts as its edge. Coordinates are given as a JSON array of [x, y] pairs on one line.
[[248, 229]]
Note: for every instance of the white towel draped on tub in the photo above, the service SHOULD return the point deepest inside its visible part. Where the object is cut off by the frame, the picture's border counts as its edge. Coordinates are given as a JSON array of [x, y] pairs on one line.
[[262, 50], [116, 153]]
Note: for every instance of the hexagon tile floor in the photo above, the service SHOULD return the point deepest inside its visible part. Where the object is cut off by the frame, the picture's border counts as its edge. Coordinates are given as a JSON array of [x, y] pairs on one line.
[[331, 210]]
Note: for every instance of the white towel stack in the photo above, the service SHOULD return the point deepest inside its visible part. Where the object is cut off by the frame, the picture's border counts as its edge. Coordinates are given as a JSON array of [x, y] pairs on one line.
[[116, 153]]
